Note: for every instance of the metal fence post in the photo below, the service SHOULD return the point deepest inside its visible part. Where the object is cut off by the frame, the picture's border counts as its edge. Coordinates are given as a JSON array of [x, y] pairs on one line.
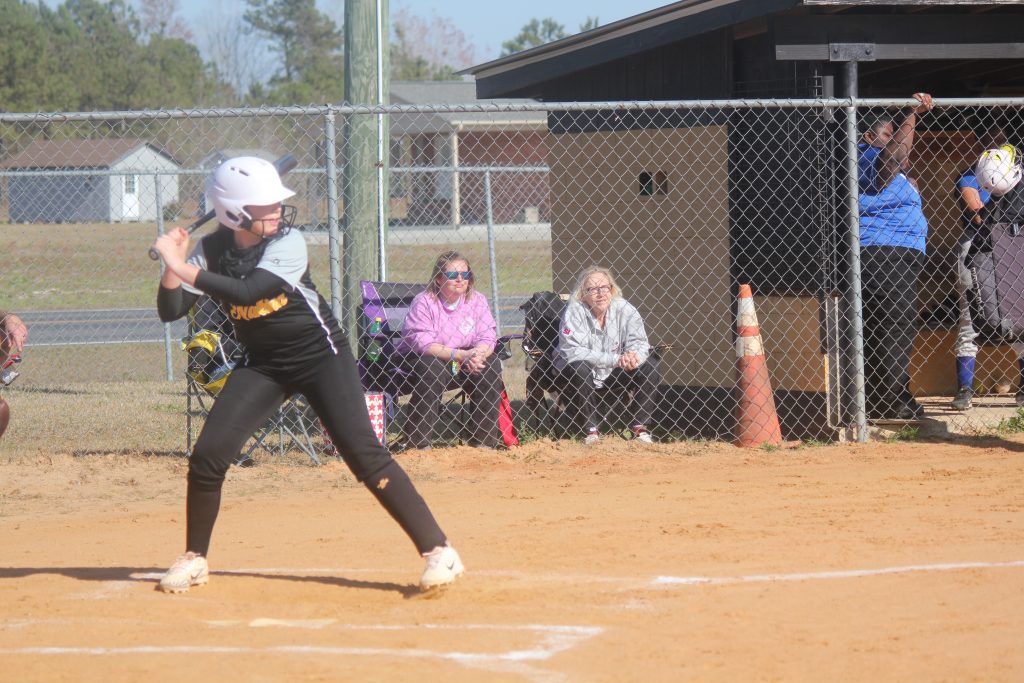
[[853, 238], [333, 237], [382, 137], [490, 251], [159, 231]]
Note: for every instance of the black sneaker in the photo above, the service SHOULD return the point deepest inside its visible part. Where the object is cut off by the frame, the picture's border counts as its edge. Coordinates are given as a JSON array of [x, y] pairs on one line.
[[962, 400], [910, 411]]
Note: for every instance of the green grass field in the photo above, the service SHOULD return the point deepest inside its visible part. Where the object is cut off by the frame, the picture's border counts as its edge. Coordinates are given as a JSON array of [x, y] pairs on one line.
[[55, 267]]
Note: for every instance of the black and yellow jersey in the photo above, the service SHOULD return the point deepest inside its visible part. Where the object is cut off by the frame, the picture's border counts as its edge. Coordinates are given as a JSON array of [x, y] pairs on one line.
[[278, 315]]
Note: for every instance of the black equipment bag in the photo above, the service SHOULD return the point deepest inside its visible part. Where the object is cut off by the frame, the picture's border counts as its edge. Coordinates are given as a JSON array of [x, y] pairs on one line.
[[543, 313], [997, 299]]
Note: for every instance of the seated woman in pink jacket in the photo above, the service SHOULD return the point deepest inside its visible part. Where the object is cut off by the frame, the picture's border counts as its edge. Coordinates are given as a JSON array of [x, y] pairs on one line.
[[450, 336]]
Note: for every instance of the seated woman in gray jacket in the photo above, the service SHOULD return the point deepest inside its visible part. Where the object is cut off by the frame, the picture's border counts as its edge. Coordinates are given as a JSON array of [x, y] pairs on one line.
[[603, 344]]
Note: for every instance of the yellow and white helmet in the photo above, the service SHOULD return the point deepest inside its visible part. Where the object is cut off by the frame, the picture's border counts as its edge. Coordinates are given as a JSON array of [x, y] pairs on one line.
[[998, 170]]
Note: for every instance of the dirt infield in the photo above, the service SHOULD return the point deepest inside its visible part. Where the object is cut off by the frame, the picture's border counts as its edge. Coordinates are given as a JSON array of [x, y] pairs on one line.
[[692, 561]]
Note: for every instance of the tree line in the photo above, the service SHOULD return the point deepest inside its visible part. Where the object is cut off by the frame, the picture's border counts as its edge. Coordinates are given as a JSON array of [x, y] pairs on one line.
[[109, 55]]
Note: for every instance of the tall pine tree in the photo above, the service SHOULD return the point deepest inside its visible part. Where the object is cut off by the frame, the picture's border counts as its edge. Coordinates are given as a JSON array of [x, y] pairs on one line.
[[309, 45]]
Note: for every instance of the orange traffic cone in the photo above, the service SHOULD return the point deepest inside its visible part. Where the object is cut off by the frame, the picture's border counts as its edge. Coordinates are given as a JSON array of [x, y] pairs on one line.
[[757, 423]]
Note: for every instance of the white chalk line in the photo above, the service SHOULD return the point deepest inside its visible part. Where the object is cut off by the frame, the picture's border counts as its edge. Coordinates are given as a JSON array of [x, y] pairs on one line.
[[346, 571], [554, 577], [838, 574], [272, 571], [106, 591], [266, 622], [553, 640]]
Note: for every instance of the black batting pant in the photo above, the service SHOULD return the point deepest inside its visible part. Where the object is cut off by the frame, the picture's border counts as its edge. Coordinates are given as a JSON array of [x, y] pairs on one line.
[[331, 385]]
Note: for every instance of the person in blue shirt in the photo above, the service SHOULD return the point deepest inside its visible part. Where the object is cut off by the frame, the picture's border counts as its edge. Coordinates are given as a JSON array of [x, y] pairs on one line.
[[893, 232], [972, 200]]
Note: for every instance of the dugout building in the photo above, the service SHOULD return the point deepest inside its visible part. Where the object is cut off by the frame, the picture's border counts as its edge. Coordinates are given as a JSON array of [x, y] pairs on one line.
[[701, 200]]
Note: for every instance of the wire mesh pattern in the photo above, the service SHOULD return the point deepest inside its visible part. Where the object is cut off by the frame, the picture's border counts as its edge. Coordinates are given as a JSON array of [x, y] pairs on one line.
[[682, 201]]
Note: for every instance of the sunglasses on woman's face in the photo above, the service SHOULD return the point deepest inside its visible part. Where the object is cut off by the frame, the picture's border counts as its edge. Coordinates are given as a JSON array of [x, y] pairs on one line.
[[456, 274]]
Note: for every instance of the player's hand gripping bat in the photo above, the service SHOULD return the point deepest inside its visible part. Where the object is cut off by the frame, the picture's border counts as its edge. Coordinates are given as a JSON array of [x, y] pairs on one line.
[[283, 165]]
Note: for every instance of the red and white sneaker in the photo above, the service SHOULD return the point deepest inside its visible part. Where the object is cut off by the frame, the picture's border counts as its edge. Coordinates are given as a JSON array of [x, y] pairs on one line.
[[641, 434]]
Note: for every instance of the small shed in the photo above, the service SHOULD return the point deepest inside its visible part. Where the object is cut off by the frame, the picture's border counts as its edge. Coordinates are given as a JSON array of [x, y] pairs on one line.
[[89, 181], [448, 141], [701, 199]]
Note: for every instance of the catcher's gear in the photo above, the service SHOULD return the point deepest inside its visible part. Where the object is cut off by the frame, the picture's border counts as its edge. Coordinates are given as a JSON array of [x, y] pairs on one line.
[[5, 415], [7, 373], [999, 170], [242, 182], [209, 365]]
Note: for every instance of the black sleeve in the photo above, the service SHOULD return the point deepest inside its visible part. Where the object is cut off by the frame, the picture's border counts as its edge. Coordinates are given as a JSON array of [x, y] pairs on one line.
[[260, 284], [172, 304]]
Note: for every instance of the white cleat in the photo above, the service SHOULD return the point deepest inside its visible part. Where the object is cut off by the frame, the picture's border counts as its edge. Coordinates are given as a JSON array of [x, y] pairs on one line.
[[443, 566], [188, 570]]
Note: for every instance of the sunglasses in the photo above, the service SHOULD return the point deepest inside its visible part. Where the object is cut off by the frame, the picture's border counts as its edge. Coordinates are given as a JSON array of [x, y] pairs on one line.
[[455, 274], [600, 289]]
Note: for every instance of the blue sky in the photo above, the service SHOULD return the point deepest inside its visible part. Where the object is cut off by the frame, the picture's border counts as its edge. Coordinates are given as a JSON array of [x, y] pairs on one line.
[[485, 22]]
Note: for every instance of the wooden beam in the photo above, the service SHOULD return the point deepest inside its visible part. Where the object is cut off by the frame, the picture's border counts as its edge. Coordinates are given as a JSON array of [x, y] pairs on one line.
[[934, 36], [982, 5], [361, 249]]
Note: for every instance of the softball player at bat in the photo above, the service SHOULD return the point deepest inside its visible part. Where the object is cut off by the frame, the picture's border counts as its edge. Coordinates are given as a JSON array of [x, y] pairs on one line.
[[257, 269]]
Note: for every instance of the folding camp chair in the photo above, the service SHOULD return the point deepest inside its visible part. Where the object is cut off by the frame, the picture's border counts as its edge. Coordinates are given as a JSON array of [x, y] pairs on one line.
[[212, 353], [384, 308], [382, 314]]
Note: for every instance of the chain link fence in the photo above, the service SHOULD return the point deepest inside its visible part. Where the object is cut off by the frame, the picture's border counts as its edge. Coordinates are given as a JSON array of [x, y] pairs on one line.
[[682, 201]]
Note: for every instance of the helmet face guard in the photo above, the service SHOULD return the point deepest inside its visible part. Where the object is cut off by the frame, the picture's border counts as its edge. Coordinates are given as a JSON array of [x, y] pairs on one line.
[[241, 182], [999, 170], [288, 214]]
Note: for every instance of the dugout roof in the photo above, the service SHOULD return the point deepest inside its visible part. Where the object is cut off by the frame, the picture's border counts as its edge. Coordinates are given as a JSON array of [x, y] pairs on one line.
[[954, 48]]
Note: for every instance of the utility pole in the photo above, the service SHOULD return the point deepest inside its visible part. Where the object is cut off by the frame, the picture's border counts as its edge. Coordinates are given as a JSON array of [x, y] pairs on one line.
[[365, 148]]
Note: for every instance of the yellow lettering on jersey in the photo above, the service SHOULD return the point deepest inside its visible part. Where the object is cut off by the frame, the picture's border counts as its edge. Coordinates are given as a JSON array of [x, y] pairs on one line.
[[261, 308]]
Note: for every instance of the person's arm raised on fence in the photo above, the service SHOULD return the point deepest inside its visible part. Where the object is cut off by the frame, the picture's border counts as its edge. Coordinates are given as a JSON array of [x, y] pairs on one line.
[[895, 156]]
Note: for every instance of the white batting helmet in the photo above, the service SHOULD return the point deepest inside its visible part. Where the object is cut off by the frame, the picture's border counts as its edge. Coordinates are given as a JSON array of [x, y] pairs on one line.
[[998, 170], [241, 182]]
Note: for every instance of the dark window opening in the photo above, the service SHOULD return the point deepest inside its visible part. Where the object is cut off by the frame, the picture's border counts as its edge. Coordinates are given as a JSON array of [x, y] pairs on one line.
[[646, 184]]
